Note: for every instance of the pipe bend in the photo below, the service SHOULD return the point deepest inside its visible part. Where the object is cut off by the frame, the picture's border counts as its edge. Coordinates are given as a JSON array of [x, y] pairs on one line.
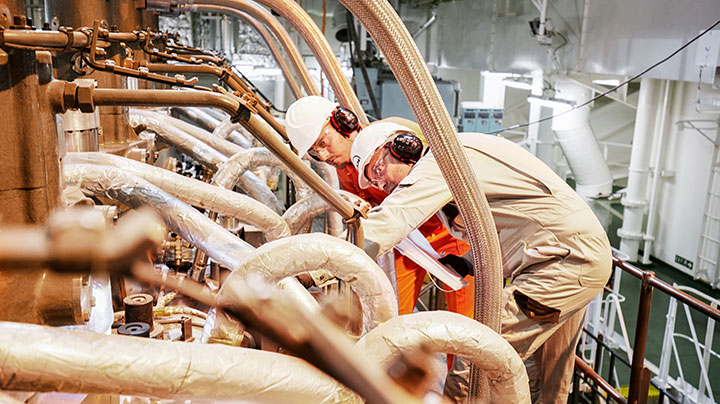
[[195, 192], [301, 212], [293, 255], [452, 333]]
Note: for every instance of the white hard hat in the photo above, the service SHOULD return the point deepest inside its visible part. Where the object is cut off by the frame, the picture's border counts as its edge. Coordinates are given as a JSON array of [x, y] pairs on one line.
[[304, 120], [367, 142]]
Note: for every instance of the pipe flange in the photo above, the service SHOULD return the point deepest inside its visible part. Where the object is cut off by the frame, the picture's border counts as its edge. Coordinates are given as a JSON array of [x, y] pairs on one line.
[[630, 203]]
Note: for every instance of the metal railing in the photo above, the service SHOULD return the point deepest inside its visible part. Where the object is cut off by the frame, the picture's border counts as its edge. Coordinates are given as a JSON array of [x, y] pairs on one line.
[[640, 374]]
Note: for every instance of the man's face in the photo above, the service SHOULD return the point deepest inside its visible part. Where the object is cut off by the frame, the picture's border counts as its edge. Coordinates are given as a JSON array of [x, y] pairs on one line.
[[332, 147], [384, 171]]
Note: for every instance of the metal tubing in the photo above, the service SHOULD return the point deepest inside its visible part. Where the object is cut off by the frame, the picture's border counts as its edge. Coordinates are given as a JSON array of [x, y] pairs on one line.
[[63, 95], [307, 28], [610, 390], [641, 330], [266, 37]]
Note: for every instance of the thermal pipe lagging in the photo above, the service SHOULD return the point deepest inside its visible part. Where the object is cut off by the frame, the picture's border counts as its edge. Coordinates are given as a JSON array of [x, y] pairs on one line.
[[301, 212], [234, 132], [111, 364], [635, 199], [446, 332], [179, 217], [195, 192], [207, 157], [294, 255], [158, 122], [575, 136], [230, 172], [198, 117]]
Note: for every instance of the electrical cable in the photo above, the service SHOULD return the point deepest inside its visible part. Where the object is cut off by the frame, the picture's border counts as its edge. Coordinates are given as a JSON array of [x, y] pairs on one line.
[[523, 125]]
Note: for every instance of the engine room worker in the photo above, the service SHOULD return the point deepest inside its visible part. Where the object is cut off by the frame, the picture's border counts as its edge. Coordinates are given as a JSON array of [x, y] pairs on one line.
[[555, 254], [326, 131]]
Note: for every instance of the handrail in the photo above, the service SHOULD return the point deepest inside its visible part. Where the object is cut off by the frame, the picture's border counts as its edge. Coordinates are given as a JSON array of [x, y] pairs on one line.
[[589, 372]]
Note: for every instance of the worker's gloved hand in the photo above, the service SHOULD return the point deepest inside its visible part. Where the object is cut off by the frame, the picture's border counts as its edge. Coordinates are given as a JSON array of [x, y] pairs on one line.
[[462, 266]]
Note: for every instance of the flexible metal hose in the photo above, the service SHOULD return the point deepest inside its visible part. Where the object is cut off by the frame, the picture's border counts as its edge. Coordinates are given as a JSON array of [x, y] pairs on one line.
[[266, 37], [395, 42], [307, 28], [276, 28]]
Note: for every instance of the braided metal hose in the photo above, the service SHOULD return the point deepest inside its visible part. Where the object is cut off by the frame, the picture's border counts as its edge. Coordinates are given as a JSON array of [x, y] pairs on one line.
[[310, 32], [266, 37], [395, 42], [277, 29]]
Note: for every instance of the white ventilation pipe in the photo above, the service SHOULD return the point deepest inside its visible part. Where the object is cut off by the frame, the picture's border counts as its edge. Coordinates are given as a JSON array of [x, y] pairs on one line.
[[576, 138], [294, 255], [111, 364], [195, 192], [657, 168], [446, 332], [635, 199], [181, 218]]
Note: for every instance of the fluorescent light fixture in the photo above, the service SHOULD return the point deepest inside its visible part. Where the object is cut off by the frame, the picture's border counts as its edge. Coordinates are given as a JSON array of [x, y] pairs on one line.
[[519, 83], [607, 82], [551, 102]]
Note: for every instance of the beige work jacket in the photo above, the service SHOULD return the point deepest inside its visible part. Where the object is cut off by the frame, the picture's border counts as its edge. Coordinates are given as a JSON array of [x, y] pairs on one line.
[[538, 217]]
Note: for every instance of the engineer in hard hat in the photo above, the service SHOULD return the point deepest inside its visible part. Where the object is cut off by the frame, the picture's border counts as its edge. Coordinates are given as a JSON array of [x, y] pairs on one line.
[[556, 255], [325, 131]]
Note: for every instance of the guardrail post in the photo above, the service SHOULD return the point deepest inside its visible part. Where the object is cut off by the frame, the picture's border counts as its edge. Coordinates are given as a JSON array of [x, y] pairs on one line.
[[641, 329]]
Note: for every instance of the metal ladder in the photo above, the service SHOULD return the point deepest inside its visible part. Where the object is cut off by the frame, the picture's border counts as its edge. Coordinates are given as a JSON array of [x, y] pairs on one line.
[[708, 255]]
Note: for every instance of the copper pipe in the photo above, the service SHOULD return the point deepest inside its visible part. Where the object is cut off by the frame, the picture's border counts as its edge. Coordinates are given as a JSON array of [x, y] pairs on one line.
[[64, 95], [266, 37], [307, 28], [641, 330], [235, 83], [610, 390], [267, 19]]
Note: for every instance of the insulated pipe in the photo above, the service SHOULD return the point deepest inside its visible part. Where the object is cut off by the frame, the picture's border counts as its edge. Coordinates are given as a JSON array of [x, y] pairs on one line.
[[310, 32], [179, 217], [207, 157], [111, 364], [64, 95], [197, 117], [657, 169], [259, 14], [266, 37], [156, 121], [446, 332], [294, 255], [635, 198], [329, 174], [408, 65], [234, 132], [301, 212], [195, 192], [230, 172], [581, 148]]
